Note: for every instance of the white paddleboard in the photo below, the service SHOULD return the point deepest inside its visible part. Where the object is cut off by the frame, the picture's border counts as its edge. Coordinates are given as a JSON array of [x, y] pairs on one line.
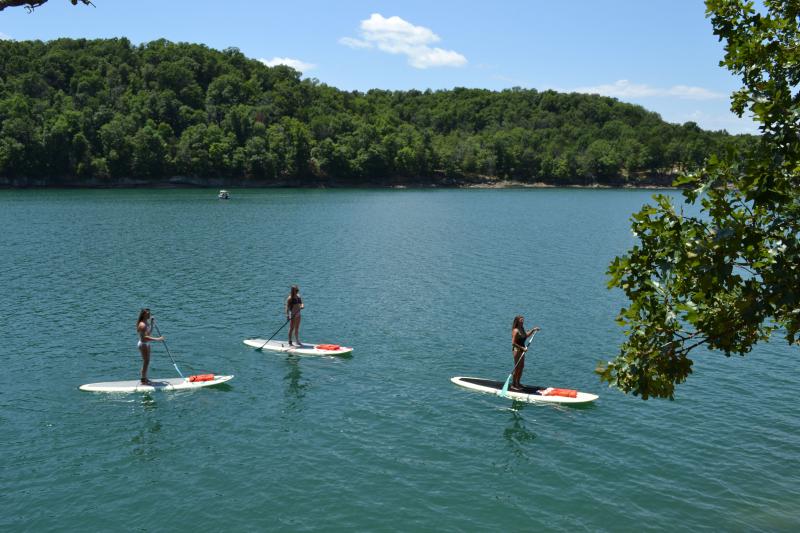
[[155, 385], [528, 394], [294, 349]]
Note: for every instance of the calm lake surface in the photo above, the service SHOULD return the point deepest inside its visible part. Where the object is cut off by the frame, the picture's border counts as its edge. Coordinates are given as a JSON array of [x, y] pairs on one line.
[[424, 285]]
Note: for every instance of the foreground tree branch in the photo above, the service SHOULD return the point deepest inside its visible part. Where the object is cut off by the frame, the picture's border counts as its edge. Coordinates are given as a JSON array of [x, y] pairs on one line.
[[30, 5], [732, 275]]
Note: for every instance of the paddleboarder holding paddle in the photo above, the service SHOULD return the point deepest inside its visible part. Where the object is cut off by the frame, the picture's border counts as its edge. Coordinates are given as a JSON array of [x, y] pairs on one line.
[[293, 306], [143, 329], [518, 338]]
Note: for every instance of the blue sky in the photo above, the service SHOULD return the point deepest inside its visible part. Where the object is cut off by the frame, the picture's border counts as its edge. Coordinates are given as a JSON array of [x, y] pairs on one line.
[[656, 53]]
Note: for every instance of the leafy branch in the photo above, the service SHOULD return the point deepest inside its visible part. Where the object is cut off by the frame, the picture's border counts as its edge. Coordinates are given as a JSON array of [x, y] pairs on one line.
[[733, 274]]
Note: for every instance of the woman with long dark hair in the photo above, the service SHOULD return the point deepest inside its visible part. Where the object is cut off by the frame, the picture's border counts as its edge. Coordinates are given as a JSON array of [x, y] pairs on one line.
[[293, 306], [143, 329], [518, 338]]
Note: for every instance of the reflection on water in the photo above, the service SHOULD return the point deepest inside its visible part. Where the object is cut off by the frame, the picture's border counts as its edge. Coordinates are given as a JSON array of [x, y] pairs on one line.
[[517, 435], [295, 391], [146, 437], [148, 402], [145, 441]]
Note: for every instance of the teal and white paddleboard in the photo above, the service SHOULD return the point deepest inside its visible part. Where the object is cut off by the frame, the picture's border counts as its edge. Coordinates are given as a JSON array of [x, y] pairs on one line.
[[168, 384], [295, 349], [528, 393]]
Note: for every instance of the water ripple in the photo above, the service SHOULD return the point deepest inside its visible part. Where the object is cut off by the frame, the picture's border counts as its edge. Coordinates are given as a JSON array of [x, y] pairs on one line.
[[424, 285]]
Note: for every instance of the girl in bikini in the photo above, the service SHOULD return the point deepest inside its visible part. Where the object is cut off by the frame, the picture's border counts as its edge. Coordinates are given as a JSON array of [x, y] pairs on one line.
[[518, 338], [143, 327], [293, 306]]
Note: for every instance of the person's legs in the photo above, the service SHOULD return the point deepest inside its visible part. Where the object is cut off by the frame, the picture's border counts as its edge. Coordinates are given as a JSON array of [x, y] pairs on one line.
[[144, 349], [292, 328], [516, 381], [297, 329]]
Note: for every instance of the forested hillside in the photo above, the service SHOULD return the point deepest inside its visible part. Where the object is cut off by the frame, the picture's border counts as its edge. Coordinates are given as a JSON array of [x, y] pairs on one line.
[[106, 112]]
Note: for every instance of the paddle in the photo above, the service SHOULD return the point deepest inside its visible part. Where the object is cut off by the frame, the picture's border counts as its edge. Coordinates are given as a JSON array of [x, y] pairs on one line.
[[504, 390], [153, 320], [276, 332]]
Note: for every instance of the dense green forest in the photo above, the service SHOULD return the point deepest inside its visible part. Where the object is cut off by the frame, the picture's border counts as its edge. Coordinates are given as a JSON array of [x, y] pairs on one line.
[[106, 112]]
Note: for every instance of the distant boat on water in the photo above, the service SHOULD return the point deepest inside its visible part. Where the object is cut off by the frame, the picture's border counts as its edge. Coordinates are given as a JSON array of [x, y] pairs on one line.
[[224, 195]]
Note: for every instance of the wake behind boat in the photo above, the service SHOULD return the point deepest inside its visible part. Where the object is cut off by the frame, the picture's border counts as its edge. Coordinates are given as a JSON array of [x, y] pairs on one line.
[[531, 394], [168, 384], [295, 349]]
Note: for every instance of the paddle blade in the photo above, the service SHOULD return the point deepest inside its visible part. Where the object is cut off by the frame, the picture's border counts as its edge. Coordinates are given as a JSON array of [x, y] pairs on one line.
[[504, 390]]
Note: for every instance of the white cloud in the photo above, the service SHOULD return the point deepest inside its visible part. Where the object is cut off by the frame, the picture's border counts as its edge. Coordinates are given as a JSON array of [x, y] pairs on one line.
[[626, 89], [296, 64], [4, 37], [425, 57], [694, 93], [394, 35], [354, 43], [719, 121]]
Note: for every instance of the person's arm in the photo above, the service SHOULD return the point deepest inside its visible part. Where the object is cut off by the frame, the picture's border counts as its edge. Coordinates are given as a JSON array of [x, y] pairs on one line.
[[301, 303], [286, 308], [532, 331]]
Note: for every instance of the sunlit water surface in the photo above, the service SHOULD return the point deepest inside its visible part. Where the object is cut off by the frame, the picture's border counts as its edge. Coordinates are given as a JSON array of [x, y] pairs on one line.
[[424, 286]]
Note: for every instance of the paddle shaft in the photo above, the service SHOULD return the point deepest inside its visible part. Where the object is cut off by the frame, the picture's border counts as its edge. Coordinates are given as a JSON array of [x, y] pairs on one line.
[[167, 348], [276, 331]]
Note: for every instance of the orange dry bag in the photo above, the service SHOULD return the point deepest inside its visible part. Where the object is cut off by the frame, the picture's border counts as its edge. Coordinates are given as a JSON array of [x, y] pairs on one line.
[[568, 393]]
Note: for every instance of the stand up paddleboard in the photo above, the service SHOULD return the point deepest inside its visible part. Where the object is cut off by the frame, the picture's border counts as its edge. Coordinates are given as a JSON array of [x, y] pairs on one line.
[[294, 349], [169, 384], [529, 394]]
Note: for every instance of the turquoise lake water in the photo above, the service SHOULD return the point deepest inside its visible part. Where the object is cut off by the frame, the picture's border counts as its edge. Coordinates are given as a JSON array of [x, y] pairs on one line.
[[424, 285]]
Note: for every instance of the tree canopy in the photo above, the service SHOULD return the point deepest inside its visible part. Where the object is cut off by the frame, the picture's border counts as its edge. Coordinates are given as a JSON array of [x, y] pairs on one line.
[[105, 112], [729, 276]]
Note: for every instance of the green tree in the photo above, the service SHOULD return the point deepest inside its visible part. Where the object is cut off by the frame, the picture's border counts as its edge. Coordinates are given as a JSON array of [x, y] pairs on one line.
[[602, 160], [20, 147], [730, 276], [205, 151], [149, 152], [58, 138], [330, 159], [79, 109], [259, 163], [223, 93], [116, 141], [290, 142]]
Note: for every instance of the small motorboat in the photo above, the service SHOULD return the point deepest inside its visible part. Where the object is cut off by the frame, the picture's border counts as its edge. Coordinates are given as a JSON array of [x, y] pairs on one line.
[[224, 195]]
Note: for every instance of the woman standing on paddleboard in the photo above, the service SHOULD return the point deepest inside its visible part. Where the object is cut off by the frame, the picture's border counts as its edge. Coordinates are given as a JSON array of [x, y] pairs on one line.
[[143, 328], [518, 338], [293, 306]]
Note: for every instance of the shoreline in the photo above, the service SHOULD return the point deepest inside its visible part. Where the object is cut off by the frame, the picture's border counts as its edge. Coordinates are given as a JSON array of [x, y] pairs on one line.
[[189, 183]]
